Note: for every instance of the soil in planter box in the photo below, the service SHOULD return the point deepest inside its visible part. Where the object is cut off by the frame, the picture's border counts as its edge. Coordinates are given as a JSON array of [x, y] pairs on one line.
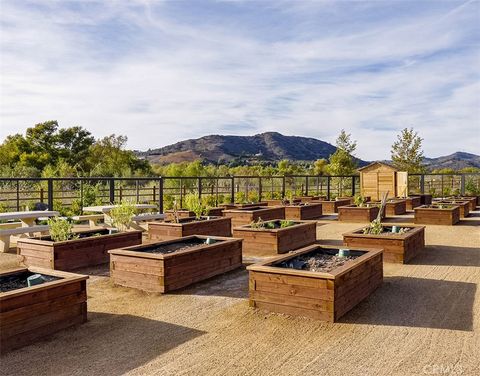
[[19, 280], [319, 261], [176, 247]]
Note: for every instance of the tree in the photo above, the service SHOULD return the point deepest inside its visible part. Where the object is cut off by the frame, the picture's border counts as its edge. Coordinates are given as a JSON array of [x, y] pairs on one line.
[[320, 166], [342, 161], [407, 153]]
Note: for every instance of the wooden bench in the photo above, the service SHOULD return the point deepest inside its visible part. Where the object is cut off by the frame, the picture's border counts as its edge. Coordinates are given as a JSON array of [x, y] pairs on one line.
[[92, 219], [5, 233]]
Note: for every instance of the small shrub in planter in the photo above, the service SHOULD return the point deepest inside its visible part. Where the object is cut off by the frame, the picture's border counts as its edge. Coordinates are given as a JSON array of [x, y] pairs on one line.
[[173, 264], [438, 214], [28, 313], [320, 282], [399, 243], [268, 238]]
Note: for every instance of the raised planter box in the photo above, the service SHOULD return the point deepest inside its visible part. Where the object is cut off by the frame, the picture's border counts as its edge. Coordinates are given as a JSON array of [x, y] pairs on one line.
[[425, 199], [320, 295], [280, 202], [433, 215], [331, 206], [463, 204], [89, 250], [472, 201], [354, 213], [271, 242], [413, 202], [30, 313], [251, 204], [181, 213], [311, 198], [395, 207], [215, 226], [216, 212], [303, 212], [173, 264], [245, 216], [397, 248]]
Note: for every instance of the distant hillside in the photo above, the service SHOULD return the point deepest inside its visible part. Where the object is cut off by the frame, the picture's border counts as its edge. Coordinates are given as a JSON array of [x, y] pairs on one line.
[[270, 146], [455, 161]]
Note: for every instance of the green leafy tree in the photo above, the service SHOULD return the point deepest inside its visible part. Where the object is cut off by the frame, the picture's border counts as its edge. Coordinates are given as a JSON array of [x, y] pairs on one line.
[[320, 166], [342, 162], [407, 153]]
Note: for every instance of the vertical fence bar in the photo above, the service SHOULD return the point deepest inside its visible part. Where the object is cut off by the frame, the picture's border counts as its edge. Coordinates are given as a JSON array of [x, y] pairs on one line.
[[50, 193], [283, 186], [42, 193], [232, 190], [137, 191], [328, 187], [160, 195], [18, 195], [353, 185], [462, 184], [154, 193], [306, 186], [81, 197], [200, 188], [260, 188], [112, 190], [422, 184]]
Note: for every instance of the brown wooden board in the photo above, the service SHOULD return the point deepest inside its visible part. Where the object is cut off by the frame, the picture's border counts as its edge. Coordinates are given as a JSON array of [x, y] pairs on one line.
[[431, 216], [30, 313], [463, 204], [181, 213], [395, 207], [216, 226], [331, 206], [76, 253], [322, 296], [303, 212], [270, 242], [278, 202], [245, 216], [413, 202], [354, 213], [397, 248], [425, 199], [156, 272]]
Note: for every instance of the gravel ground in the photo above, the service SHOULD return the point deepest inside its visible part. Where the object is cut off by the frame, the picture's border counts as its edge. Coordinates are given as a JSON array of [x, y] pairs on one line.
[[424, 320]]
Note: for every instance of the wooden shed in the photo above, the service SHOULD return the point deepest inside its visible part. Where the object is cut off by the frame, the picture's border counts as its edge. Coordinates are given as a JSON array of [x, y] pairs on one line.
[[378, 178]]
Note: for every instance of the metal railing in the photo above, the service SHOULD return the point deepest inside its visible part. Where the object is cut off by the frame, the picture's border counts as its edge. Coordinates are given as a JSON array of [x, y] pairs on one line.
[[75, 193]]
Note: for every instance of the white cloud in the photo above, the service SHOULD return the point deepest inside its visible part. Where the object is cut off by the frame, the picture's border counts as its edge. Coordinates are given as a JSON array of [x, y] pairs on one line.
[[141, 69]]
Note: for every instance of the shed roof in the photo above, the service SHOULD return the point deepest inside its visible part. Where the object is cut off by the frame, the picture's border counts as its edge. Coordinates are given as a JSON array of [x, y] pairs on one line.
[[377, 164]]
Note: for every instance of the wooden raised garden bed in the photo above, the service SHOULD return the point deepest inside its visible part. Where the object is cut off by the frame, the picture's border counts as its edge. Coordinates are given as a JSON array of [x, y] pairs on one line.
[[331, 206], [395, 207], [181, 213], [435, 215], [215, 212], [282, 285], [463, 204], [311, 198], [91, 248], [251, 204], [245, 216], [397, 247], [472, 201], [280, 202], [30, 313], [266, 241], [173, 264], [303, 211], [354, 213], [214, 226], [425, 199], [413, 202]]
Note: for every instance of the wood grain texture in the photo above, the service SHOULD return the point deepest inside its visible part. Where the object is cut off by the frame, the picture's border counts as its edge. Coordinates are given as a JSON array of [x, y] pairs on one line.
[[303, 212], [245, 216], [353, 213], [220, 226], [431, 216], [331, 206]]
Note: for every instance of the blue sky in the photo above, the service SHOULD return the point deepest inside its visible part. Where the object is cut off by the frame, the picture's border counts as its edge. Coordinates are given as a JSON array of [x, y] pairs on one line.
[[160, 72]]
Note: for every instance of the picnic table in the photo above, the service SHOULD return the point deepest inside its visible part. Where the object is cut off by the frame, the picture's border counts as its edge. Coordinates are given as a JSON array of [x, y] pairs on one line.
[[25, 224]]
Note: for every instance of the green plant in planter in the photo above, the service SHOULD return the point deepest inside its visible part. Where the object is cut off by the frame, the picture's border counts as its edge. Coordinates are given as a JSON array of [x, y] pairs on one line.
[[122, 214], [359, 201], [193, 203], [61, 229], [286, 223], [289, 197], [259, 223], [375, 227]]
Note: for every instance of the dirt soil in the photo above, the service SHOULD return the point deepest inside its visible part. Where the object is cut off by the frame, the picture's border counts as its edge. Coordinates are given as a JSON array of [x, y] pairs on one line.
[[423, 320]]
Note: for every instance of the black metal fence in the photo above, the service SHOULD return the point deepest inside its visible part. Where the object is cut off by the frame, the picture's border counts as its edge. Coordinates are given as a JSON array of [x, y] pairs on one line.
[[70, 195]]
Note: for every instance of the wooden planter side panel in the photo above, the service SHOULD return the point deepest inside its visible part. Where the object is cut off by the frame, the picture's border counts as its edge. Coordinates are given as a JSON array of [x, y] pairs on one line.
[[437, 216], [180, 213], [163, 275], [167, 231], [357, 284], [215, 212], [394, 250], [425, 199], [464, 207], [413, 202], [75, 254], [332, 206], [312, 211], [29, 317], [245, 217], [356, 214], [292, 295], [396, 208]]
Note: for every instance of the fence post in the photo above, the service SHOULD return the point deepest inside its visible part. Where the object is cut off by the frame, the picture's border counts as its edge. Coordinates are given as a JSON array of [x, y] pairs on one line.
[[137, 190], [200, 188], [232, 190], [260, 189], [112, 190], [328, 187], [462, 184], [50, 193], [18, 195], [306, 186], [283, 186], [81, 197], [160, 195], [353, 185], [422, 184], [41, 195]]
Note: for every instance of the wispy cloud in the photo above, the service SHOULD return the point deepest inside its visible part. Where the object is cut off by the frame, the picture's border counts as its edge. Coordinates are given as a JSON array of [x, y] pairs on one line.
[[159, 72]]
